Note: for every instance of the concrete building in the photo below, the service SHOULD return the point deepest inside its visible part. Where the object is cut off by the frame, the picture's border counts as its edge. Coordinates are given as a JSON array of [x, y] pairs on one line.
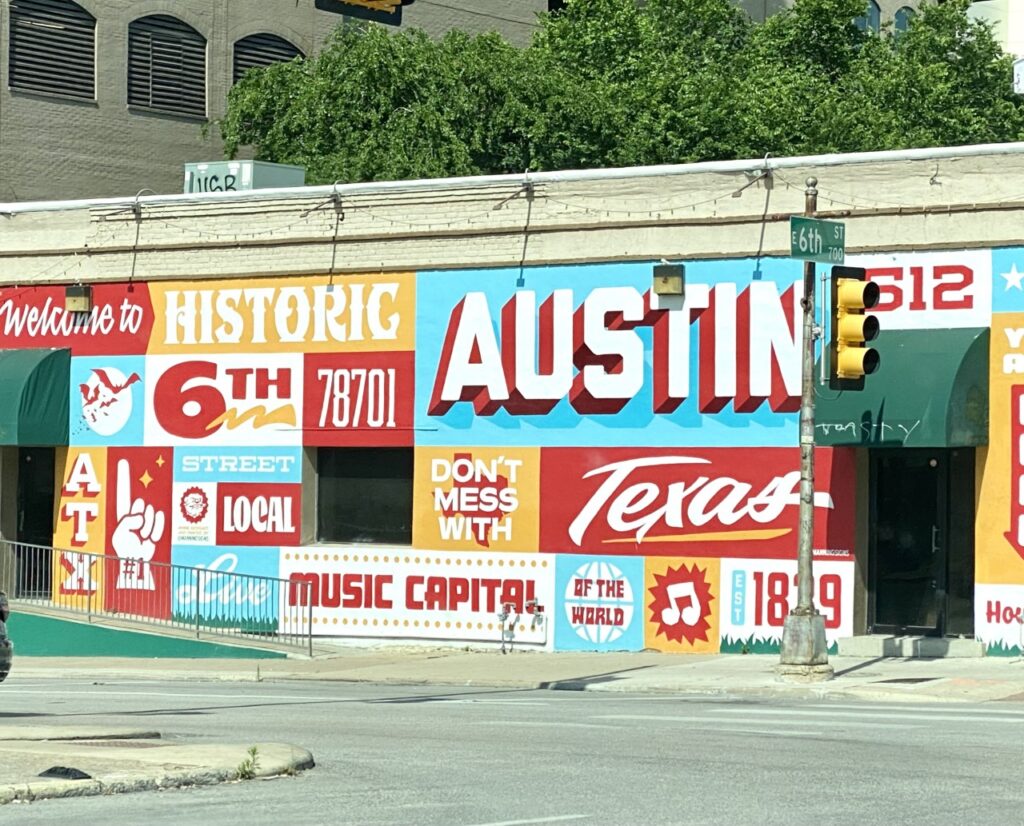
[[107, 97], [420, 404], [877, 13], [1007, 21]]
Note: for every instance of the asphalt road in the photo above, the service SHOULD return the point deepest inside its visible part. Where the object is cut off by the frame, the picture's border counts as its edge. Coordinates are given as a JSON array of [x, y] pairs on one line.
[[469, 757]]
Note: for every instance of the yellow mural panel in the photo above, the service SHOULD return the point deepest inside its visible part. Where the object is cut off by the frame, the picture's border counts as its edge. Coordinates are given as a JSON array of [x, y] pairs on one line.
[[318, 314], [80, 527], [999, 532], [475, 498], [681, 605]]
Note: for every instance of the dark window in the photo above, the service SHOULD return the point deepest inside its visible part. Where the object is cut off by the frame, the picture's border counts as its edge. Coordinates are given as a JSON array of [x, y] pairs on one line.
[[52, 48], [259, 50], [166, 66], [871, 20], [364, 495], [902, 18], [555, 5]]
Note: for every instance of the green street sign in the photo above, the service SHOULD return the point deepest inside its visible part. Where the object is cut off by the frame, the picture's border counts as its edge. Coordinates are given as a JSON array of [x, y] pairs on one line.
[[812, 239]]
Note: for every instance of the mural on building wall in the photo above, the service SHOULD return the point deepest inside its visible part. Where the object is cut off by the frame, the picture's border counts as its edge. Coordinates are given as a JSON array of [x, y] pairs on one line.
[[999, 569], [615, 468]]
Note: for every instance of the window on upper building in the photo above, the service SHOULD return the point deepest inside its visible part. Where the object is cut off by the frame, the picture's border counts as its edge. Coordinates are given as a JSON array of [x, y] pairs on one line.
[[259, 50], [166, 66], [364, 494], [871, 20], [901, 20], [52, 48]]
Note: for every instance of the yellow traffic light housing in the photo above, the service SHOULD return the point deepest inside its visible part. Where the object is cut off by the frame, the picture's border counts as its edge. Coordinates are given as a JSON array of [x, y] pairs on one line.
[[850, 360]]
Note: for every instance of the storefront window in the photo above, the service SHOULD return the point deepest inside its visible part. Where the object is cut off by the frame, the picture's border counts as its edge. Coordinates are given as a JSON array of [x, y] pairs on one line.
[[364, 495]]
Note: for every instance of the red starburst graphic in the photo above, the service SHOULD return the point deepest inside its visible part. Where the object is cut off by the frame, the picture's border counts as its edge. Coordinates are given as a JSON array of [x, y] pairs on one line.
[[681, 603]]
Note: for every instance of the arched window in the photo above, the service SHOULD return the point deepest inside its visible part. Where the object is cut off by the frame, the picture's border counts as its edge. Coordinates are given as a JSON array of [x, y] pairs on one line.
[[264, 49], [871, 20], [52, 48], [901, 20], [166, 66]]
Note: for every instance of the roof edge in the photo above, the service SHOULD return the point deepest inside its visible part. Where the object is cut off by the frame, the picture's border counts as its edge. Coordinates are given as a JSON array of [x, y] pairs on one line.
[[562, 176]]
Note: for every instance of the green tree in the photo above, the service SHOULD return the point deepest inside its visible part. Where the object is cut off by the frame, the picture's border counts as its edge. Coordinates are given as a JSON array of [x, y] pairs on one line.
[[616, 83], [375, 106]]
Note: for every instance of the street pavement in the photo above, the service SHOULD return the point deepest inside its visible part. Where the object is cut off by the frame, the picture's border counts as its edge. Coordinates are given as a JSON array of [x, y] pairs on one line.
[[121, 760]]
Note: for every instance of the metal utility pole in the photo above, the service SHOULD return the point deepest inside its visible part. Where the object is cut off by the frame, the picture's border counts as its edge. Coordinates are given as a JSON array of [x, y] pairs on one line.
[[804, 652]]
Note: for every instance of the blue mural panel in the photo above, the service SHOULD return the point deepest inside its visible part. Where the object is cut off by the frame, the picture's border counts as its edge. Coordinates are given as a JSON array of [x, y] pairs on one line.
[[107, 406], [586, 355], [1008, 280], [599, 603], [238, 464], [204, 586]]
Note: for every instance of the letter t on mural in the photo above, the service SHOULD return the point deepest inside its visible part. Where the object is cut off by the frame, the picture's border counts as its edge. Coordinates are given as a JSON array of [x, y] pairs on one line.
[[80, 527]]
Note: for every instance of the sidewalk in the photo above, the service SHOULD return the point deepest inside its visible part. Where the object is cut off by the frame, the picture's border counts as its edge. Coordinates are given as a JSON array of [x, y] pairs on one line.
[[884, 679], [137, 760]]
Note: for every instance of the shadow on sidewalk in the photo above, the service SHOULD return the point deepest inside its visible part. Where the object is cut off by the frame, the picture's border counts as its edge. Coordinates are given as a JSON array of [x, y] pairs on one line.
[[869, 663], [574, 683]]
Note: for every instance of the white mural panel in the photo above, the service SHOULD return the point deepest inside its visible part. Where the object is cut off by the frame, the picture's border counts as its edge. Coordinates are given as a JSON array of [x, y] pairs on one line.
[[422, 594], [757, 594], [224, 400]]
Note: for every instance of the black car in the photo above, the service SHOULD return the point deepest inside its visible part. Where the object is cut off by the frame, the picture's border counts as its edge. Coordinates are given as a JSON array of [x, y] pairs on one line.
[[6, 646]]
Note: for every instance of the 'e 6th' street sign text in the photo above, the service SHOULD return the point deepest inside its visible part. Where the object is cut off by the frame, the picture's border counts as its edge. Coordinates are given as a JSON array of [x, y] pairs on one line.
[[812, 239]]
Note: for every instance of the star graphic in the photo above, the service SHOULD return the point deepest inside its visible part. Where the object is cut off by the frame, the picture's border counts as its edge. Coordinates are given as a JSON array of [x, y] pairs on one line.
[[146, 479], [1013, 278], [160, 461]]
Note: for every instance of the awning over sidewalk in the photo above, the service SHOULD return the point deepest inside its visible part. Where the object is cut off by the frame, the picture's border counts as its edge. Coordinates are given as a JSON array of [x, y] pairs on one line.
[[930, 391], [34, 388]]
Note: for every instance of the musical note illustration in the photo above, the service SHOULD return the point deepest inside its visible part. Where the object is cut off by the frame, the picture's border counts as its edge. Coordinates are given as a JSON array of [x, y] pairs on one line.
[[689, 613]]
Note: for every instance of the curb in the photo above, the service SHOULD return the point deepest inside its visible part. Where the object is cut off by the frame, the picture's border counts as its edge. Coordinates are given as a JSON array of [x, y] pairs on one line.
[[299, 760], [860, 691]]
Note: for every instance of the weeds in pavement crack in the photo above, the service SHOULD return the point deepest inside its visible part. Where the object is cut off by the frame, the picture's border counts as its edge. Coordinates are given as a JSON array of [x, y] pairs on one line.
[[247, 768]]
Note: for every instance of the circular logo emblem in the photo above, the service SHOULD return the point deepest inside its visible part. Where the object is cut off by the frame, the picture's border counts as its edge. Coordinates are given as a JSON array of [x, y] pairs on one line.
[[194, 505], [599, 602], [107, 400]]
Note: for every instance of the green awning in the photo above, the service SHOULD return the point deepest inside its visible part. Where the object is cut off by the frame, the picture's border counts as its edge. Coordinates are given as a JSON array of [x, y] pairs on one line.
[[34, 388], [931, 390]]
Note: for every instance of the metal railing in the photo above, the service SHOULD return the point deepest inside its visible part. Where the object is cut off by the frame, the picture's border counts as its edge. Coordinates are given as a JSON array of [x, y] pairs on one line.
[[206, 602]]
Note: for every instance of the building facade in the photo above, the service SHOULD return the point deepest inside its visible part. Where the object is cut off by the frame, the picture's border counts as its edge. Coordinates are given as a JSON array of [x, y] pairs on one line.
[[1007, 21], [421, 402], [107, 97], [877, 13]]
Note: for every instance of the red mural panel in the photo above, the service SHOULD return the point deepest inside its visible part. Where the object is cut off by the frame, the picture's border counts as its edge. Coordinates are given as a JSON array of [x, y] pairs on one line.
[[356, 399], [254, 514], [708, 502], [136, 577], [119, 323]]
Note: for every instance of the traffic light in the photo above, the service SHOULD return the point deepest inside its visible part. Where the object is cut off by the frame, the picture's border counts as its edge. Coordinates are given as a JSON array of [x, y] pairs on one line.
[[849, 357]]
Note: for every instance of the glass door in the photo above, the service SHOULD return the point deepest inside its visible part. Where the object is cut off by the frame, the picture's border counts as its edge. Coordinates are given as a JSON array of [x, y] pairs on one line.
[[908, 540], [35, 520]]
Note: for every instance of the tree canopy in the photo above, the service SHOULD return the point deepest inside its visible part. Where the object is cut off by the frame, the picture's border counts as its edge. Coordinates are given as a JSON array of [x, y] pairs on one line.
[[617, 83]]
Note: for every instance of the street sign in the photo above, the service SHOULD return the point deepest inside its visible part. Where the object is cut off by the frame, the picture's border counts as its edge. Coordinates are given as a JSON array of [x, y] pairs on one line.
[[812, 239]]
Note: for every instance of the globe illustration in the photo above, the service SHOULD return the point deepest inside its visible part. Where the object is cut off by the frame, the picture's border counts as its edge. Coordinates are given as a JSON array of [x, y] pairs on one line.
[[598, 611]]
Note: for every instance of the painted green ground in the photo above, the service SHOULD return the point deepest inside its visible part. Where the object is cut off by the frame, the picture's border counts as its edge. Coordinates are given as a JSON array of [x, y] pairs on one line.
[[757, 645], [37, 636]]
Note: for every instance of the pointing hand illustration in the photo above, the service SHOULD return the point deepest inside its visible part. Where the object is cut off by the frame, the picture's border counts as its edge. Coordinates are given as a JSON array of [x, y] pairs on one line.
[[139, 527]]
